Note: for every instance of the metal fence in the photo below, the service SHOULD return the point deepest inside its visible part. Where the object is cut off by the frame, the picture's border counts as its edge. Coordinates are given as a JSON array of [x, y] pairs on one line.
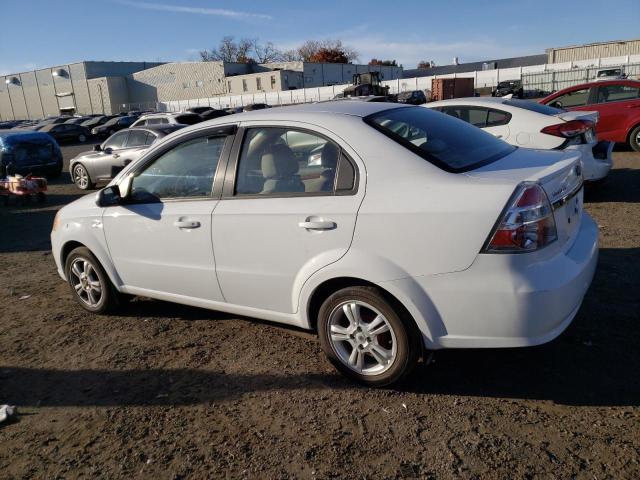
[[551, 81]]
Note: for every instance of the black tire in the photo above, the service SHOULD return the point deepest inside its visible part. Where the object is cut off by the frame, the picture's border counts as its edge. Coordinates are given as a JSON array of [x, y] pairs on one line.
[[407, 336], [109, 299], [55, 172], [634, 139], [76, 175]]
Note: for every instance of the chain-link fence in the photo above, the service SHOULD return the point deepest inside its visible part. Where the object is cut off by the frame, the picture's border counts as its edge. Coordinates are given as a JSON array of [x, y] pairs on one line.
[[554, 80]]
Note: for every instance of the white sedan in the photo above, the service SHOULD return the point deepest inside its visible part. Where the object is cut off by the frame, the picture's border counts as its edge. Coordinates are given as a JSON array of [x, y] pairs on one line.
[[531, 125], [414, 231]]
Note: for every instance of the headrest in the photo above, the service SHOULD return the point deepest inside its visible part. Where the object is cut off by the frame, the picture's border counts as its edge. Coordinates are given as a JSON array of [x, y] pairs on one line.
[[279, 162], [329, 157]]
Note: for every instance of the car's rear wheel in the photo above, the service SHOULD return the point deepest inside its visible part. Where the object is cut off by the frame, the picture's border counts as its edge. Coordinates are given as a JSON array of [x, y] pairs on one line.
[[81, 177], [366, 337], [89, 283], [634, 139]]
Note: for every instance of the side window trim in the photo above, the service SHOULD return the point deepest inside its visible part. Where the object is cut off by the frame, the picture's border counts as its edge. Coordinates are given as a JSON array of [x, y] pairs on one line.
[[228, 131], [228, 189]]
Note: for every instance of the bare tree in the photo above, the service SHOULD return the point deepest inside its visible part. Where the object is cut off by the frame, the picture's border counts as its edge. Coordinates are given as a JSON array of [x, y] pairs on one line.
[[230, 51], [266, 53]]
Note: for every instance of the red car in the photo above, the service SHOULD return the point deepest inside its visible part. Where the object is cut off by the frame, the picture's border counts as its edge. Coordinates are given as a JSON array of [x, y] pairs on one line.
[[618, 102]]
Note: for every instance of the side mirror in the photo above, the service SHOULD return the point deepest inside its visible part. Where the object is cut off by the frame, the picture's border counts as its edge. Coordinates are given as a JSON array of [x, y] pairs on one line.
[[109, 196], [108, 150], [97, 148]]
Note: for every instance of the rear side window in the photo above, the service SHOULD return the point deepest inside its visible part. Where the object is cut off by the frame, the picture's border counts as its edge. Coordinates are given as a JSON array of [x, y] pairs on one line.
[[617, 93], [136, 138], [449, 143]]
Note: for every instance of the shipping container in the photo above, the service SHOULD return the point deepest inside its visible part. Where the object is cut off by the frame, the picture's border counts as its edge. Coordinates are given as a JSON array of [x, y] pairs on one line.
[[445, 88]]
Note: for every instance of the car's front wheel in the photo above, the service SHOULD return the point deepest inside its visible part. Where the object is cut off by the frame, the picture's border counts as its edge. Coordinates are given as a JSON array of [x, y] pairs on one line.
[[89, 283], [81, 177], [366, 337], [634, 139]]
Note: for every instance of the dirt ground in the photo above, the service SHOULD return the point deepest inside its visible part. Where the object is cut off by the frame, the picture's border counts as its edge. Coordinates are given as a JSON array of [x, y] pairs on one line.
[[169, 392]]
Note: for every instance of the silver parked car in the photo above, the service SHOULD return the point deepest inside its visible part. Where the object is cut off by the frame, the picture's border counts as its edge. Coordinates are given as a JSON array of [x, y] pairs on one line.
[[108, 158]]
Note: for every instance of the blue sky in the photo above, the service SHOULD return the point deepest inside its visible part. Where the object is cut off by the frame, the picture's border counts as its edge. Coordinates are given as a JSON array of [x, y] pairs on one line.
[[41, 33]]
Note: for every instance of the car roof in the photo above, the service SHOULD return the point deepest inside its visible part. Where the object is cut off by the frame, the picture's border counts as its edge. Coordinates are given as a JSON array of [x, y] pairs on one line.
[[620, 81], [352, 108], [13, 135]]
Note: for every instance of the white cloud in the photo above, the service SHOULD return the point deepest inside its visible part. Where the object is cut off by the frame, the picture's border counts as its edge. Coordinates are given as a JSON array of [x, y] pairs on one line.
[[197, 10]]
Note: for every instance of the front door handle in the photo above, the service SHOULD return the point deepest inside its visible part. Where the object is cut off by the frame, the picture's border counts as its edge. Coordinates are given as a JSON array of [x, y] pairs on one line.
[[186, 224], [319, 224]]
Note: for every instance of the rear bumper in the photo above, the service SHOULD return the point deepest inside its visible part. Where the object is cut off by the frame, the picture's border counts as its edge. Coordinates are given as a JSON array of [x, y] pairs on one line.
[[596, 160], [507, 300]]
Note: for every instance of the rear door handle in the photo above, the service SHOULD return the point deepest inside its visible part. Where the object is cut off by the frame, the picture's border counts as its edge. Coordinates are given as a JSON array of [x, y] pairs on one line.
[[186, 224], [318, 224]]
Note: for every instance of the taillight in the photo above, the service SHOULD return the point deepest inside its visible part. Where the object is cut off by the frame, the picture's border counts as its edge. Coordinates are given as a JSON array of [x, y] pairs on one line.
[[527, 223], [568, 129]]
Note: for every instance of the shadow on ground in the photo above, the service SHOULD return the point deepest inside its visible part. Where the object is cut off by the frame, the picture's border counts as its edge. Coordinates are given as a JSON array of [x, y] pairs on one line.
[[594, 363]]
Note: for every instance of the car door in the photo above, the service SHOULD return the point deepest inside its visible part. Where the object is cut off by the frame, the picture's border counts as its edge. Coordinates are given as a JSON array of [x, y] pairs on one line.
[[111, 149], [160, 239], [616, 103], [284, 215]]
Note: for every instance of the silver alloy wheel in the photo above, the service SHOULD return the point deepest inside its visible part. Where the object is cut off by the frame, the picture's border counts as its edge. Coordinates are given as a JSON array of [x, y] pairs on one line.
[[85, 281], [362, 338], [81, 177]]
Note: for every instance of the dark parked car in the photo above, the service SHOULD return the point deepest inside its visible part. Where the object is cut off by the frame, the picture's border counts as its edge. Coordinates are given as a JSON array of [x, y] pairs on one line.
[[96, 121], [212, 113], [113, 125], [198, 110], [513, 87], [66, 132], [78, 120], [30, 152], [413, 97], [256, 106]]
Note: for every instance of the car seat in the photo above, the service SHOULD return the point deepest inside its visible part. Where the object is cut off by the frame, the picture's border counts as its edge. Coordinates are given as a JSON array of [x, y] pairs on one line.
[[280, 171], [329, 160]]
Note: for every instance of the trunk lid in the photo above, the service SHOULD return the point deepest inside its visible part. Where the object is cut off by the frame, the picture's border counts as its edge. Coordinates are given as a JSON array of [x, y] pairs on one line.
[[558, 172], [578, 115]]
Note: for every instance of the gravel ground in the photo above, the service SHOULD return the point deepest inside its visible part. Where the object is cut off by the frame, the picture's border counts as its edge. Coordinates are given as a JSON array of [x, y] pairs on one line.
[[169, 392]]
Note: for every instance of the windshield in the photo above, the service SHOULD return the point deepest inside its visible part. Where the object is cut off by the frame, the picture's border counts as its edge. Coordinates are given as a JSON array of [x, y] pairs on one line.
[[534, 107], [445, 141]]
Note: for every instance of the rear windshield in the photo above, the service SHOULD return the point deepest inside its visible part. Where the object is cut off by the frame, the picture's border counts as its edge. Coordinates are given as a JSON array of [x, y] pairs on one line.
[[445, 141], [534, 107]]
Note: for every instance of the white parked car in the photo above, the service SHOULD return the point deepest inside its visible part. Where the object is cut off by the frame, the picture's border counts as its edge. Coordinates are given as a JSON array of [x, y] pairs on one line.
[[159, 119], [531, 125], [415, 231]]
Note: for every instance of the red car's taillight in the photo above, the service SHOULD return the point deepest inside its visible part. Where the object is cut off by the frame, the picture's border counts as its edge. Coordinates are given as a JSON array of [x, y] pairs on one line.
[[568, 129], [527, 223]]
